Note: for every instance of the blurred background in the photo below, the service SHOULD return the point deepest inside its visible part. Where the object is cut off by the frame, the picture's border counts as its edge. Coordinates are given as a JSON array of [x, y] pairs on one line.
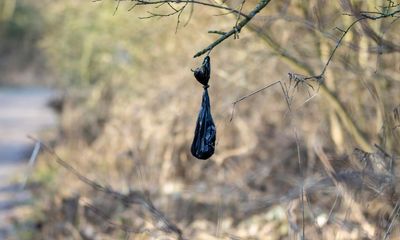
[[114, 96]]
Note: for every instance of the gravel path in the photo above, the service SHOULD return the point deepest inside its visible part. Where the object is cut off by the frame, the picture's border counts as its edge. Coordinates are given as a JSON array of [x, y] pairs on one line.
[[23, 111]]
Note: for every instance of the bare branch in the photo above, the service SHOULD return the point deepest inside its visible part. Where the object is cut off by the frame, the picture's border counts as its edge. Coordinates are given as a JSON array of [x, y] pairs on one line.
[[124, 228], [116, 8], [348, 122], [132, 197], [236, 36], [217, 32], [363, 17], [146, 2], [31, 163], [262, 4], [336, 47], [285, 92]]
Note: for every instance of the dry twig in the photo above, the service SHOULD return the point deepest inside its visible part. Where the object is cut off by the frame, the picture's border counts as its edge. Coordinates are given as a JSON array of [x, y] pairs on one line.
[[160, 221]]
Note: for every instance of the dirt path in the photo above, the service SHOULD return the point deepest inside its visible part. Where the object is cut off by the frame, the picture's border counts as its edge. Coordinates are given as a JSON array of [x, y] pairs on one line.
[[23, 111]]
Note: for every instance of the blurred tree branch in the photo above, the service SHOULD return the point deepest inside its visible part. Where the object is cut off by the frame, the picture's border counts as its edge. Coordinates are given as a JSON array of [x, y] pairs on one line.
[[347, 121], [160, 221], [239, 25], [234, 32], [333, 100], [330, 96], [385, 45]]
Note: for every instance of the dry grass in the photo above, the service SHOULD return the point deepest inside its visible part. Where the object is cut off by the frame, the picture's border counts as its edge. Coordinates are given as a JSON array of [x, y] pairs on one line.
[[276, 174]]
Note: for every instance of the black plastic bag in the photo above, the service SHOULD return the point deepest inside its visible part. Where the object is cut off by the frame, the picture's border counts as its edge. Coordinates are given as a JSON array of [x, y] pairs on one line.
[[202, 74], [203, 145]]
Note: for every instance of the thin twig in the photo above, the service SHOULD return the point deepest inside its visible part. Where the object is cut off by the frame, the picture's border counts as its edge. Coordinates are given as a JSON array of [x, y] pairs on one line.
[[394, 215], [236, 35], [32, 160], [253, 93], [262, 4], [333, 207], [146, 2], [363, 17], [190, 14], [124, 228], [333, 100], [133, 197], [320, 76], [116, 8], [217, 32], [302, 184]]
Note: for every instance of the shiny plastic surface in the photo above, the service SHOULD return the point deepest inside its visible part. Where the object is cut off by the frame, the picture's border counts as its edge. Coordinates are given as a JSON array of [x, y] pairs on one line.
[[203, 145]]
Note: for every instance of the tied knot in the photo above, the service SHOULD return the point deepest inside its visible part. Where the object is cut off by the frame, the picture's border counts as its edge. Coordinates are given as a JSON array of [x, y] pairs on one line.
[[206, 86]]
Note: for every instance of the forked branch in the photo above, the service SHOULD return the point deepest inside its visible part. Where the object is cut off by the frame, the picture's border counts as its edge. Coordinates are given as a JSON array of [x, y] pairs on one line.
[[236, 29]]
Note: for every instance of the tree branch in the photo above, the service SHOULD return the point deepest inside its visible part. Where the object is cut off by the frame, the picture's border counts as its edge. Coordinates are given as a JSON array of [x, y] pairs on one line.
[[132, 197], [158, 2], [262, 4], [344, 116]]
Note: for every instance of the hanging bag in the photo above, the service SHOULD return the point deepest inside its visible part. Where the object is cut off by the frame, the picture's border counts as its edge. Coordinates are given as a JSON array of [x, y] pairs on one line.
[[203, 145]]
